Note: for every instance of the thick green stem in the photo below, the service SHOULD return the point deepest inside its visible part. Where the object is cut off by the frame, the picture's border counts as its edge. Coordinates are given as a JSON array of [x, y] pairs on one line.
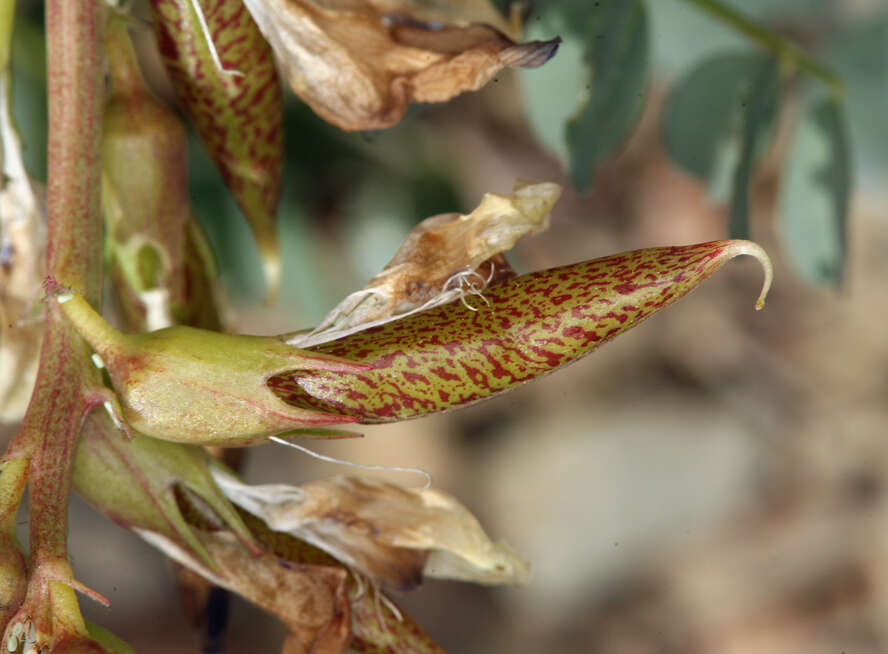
[[786, 50], [66, 375], [76, 92]]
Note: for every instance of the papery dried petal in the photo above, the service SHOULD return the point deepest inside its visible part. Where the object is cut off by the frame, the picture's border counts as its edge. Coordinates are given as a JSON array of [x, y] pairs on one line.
[[391, 534], [377, 625], [310, 599], [359, 63], [458, 13], [235, 102], [440, 261], [22, 244], [453, 355]]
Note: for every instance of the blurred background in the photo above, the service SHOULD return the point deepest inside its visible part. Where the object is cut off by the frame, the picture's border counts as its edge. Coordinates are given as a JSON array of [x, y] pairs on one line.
[[713, 482]]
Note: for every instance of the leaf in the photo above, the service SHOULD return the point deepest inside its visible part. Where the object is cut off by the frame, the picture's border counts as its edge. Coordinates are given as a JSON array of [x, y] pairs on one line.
[[454, 355], [359, 63], [440, 260], [704, 117], [616, 35], [815, 193], [391, 534], [229, 86], [552, 94], [758, 129], [719, 121], [860, 56]]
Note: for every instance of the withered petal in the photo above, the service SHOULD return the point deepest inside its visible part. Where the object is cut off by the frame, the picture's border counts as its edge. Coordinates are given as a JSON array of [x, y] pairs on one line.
[[359, 63]]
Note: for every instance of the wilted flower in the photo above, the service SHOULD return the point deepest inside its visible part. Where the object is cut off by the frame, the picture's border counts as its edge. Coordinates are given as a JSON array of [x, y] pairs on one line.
[[391, 534], [22, 244], [441, 260], [359, 63]]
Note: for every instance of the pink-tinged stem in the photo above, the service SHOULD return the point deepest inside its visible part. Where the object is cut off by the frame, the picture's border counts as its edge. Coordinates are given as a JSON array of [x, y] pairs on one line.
[[52, 422], [526, 327], [74, 36]]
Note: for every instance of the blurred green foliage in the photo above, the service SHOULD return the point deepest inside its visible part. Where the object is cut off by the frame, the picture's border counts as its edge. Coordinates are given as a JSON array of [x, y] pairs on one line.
[[721, 115], [815, 192]]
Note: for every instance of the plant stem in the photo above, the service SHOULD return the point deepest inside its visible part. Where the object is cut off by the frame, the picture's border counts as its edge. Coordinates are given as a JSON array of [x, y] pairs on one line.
[[785, 49], [76, 93], [65, 376]]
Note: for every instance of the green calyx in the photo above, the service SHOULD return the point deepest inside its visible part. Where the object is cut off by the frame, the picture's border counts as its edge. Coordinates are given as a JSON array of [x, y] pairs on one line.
[[198, 386]]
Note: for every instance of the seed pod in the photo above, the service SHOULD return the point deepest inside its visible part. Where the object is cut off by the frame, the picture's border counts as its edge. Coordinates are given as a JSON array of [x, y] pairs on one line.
[[455, 355], [224, 75]]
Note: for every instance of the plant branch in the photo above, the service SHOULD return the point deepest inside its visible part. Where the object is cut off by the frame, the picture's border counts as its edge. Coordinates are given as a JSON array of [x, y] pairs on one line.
[[76, 90], [66, 377], [76, 93], [783, 48]]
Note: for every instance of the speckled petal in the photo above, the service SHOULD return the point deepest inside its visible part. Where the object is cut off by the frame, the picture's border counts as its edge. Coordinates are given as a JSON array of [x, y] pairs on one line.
[[454, 355]]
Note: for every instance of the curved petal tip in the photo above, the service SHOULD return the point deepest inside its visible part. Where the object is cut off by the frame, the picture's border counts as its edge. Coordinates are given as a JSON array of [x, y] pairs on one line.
[[738, 248]]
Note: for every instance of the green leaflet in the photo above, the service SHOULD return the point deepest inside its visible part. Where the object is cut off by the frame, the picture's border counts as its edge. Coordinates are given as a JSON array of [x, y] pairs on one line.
[[718, 122], [860, 56], [616, 34], [815, 193], [551, 94], [587, 102], [758, 121]]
